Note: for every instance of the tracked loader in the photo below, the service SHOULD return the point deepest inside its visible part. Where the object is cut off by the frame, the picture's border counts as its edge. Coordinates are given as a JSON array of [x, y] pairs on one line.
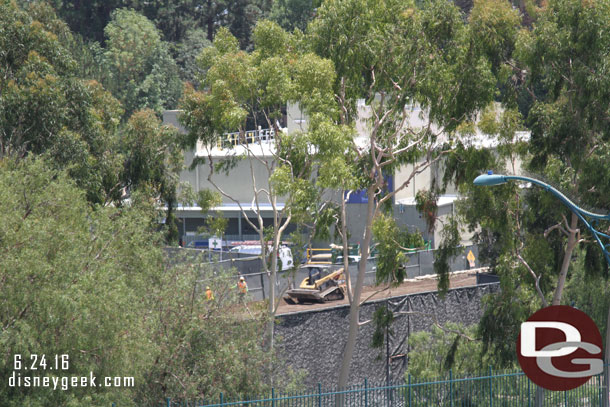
[[323, 283]]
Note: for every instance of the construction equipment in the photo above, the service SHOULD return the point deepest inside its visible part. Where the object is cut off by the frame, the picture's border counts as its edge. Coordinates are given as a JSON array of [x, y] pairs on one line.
[[324, 282]]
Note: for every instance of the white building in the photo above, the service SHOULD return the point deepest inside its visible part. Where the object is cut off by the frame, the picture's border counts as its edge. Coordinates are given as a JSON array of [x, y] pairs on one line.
[[238, 184], [248, 172]]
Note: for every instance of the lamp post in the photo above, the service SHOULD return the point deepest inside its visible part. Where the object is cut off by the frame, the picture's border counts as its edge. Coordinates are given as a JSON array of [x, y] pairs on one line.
[[586, 217]]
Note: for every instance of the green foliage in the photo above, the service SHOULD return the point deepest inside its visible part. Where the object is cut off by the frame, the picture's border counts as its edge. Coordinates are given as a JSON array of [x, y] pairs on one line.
[[588, 288], [413, 241], [240, 85], [91, 60], [391, 249], [426, 52], [340, 33], [79, 293], [174, 19], [99, 291], [45, 109], [88, 18], [293, 14], [495, 25], [391, 246], [382, 320], [447, 250], [338, 165], [566, 55], [153, 154], [504, 313], [144, 75], [23, 33], [326, 219], [464, 163], [240, 88], [296, 238], [560, 63], [185, 54], [207, 199], [242, 18], [425, 203], [215, 223], [398, 56], [206, 347], [433, 354], [595, 263], [153, 160]]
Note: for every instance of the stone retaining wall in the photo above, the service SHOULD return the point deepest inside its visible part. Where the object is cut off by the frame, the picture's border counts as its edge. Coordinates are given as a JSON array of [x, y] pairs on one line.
[[313, 341]]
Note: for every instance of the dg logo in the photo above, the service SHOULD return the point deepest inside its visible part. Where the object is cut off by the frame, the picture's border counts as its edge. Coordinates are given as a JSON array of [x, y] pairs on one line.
[[560, 348]]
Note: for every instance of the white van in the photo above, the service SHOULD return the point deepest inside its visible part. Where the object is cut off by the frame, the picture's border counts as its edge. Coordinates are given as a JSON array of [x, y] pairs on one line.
[[285, 261]]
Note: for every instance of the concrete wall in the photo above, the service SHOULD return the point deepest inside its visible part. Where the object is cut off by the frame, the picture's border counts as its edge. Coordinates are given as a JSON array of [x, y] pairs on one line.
[[296, 120], [238, 183], [313, 341]]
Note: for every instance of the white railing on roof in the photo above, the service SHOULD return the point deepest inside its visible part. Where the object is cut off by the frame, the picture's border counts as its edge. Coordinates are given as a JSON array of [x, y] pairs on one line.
[[230, 140]]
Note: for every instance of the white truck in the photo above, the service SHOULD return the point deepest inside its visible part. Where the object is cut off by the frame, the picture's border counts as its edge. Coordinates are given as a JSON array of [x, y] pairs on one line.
[[285, 261]]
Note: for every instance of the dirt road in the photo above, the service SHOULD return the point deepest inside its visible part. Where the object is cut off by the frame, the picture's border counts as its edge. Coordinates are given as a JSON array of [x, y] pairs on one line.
[[457, 279]]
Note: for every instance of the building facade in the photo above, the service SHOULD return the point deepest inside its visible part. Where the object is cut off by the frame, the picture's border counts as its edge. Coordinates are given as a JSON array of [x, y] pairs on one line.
[[251, 174]]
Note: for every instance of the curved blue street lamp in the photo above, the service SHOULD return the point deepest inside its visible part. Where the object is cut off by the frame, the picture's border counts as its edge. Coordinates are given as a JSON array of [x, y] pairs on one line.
[[490, 179], [496, 179]]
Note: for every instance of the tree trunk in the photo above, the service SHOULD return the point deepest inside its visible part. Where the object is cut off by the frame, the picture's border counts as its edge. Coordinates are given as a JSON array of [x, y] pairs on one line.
[[209, 21], [606, 386], [271, 274], [354, 313], [561, 281], [345, 242], [567, 258], [271, 323], [272, 283]]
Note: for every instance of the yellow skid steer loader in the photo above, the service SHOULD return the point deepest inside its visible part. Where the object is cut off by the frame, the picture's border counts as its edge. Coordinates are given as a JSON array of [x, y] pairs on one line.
[[323, 283]]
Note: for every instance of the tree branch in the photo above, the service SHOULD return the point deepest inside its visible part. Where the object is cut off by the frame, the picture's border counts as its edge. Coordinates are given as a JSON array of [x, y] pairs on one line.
[[557, 226], [536, 279]]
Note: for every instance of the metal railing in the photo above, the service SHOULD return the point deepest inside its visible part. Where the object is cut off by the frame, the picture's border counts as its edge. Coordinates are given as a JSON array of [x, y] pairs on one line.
[[503, 389], [230, 140]]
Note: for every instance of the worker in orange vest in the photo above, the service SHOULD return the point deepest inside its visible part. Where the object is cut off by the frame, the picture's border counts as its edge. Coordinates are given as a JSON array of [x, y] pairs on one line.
[[209, 294], [242, 286]]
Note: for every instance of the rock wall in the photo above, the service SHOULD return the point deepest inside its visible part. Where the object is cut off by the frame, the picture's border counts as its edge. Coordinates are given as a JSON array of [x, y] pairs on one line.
[[313, 341]]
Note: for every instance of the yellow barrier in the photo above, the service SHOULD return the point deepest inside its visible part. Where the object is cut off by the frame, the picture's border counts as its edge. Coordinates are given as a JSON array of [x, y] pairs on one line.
[[319, 256]]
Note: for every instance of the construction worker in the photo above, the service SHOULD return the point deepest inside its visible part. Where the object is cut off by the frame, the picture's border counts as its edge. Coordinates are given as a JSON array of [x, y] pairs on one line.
[[242, 287], [209, 295]]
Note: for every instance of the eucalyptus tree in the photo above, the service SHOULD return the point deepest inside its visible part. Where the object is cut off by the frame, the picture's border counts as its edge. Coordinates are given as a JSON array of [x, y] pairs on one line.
[[152, 163], [45, 108], [397, 56], [143, 73], [73, 283], [293, 14], [559, 64], [242, 91], [566, 54], [90, 282]]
